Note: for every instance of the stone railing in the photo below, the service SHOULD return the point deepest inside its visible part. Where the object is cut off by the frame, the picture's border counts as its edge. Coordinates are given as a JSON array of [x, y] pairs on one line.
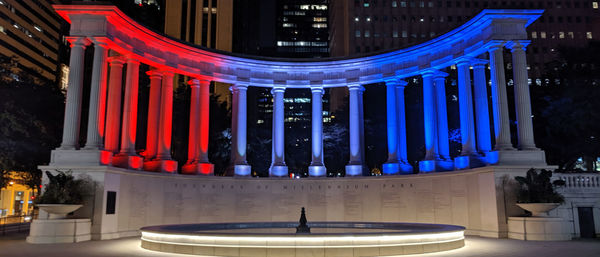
[[579, 180]]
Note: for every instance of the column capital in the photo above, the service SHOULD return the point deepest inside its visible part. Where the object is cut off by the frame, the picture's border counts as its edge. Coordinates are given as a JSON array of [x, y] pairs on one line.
[[238, 87], [394, 82], [79, 41], [433, 73], [358, 87], [494, 45], [116, 61], [464, 60], [317, 89], [100, 41], [478, 62], [154, 73], [517, 45], [132, 60], [277, 89], [199, 82], [440, 75]]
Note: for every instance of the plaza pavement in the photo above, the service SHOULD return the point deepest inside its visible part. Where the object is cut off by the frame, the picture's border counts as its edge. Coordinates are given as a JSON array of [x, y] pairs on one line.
[[15, 246]]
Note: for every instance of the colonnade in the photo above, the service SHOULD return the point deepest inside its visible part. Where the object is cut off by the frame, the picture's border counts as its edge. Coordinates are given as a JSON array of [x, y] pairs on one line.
[[113, 116]]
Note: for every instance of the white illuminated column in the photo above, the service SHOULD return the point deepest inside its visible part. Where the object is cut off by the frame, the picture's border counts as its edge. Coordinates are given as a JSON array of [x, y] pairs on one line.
[[404, 165], [95, 130], [499, 98], [317, 168], [522, 97], [239, 166], [113, 108], [70, 140], [153, 113], [355, 165], [278, 167], [444, 162], [484, 142]]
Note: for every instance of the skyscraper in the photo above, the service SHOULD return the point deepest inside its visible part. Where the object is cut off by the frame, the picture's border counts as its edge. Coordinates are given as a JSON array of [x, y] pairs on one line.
[[302, 28]]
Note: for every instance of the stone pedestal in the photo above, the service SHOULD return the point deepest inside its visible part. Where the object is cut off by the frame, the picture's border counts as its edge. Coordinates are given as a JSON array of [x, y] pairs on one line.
[[539, 228], [207, 169], [132, 162], [517, 157], [59, 231], [81, 157], [468, 161], [168, 166]]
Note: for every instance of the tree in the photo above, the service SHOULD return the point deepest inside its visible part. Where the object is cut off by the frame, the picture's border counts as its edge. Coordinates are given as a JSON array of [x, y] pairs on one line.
[[31, 115]]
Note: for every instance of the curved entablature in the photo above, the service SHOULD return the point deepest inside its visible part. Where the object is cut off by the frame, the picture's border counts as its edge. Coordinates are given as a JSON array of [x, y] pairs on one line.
[[106, 23]]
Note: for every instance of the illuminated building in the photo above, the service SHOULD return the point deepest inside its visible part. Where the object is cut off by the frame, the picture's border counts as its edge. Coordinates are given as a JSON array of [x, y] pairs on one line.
[[16, 198], [31, 31], [302, 29]]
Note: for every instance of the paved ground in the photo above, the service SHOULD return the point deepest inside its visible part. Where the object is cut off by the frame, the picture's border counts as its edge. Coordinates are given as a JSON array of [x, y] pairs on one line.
[[15, 246]]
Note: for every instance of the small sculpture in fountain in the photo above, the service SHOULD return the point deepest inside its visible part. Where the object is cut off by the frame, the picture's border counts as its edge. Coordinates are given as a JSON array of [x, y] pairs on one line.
[[302, 228]]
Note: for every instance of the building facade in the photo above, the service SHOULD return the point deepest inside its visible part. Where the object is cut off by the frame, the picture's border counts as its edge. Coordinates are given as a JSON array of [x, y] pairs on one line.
[[31, 32], [302, 28]]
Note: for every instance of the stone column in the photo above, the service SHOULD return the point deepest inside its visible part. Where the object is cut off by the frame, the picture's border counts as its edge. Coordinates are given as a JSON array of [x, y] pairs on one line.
[[153, 114], [97, 110], [278, 167], [70, 140], [484, 143], [430, 123], [317, 168], [361, 133], [239, 166], [391, 166], [404, 165], [197, 162], [127, 157], [444, 162], [467, 121], [113, 108], [355, 166], [499, 99], [522, 98], [163, 161]]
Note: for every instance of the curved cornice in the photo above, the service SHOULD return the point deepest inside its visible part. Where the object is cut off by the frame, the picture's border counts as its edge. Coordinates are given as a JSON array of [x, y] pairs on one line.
[[123, 35]]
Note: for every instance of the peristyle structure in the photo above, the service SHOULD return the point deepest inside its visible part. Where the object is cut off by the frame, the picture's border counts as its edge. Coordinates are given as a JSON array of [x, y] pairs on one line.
[[110, 157]]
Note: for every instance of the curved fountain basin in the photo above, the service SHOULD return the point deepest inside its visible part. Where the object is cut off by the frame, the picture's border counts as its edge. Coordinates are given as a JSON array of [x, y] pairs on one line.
[[279, 239]]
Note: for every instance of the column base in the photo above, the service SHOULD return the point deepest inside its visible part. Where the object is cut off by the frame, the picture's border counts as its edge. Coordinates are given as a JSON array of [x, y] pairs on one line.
[[427, 166], [132, 162], [278, 171], [317, 171], [354, 170], [468, 162], [397, 168], [199, 168], [167, 166], [80, 157], [514, 157]]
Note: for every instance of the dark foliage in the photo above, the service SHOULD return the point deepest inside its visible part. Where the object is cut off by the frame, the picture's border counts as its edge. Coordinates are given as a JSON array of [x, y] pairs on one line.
[[537, 188], [63, 188]]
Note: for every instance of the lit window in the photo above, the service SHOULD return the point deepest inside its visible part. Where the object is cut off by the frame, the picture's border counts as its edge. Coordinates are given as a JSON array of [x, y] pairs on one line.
[[571, 35], [543, 34], [368, 19], [588, 35], [404, 34], [356, 19], [319, 25], [395, 33], [561, 35], [2, 30], [357, 33], [403, 4], [320, 19], [38, 28], [533, 34], [394, 4], [289, 25], [595, 5], [366, 4], [421, 4], [260, 121], [367, 33]]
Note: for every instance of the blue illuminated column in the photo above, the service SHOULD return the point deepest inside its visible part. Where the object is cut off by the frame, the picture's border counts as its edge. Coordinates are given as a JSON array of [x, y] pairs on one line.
[[484, 141], [444, 162], [239, 166], [430, 121], [522, 98], [361, 132], [355, 165], [405, 167], [317, 168], [391, 167], [467, 124], [278, 167], [499, 99]]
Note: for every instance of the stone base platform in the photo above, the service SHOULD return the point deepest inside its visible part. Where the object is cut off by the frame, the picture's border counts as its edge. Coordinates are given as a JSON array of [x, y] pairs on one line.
[[59, 231], [539, 228]]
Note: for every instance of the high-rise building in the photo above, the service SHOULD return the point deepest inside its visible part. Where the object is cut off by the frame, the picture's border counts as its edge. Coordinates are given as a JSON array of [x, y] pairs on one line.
[[365, 26], [31, 32], [302, 28]]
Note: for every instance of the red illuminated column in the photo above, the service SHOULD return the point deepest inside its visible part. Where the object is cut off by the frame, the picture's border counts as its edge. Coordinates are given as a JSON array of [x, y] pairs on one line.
[[153, 114], [113, 109], [163, 161], [199, 123], [73, 106], [95, 130], [127, 157]]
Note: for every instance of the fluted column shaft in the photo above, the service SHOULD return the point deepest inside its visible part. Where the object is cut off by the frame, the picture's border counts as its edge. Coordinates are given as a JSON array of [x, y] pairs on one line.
[[499, 98], [465, 103], [317, 168], [204, 121], [153, 113], [522, 97], [194, 120], [97, 110], [238, 125], [442, 115], [72, 119], [430, 117], [129, 124], [354, 122], [166, 117], [278, 167], [484, 141], [113, 109], [392, 124], [401, 121]]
